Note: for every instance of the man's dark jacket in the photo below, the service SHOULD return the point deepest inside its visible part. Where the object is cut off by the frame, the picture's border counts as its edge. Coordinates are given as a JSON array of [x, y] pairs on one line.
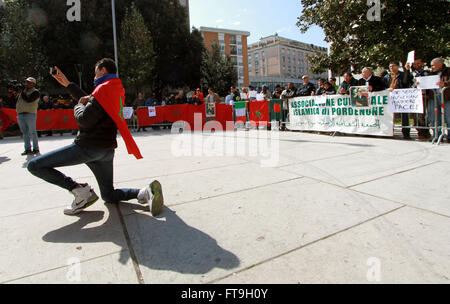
[[96, 127], [306, 89], [376, 82]]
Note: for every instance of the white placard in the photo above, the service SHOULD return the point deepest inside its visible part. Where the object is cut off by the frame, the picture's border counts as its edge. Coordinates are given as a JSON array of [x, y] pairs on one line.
[[406, 101], [428, 82], [151, 111], [127, 112], [260, 97], [243, 96], [411, 57], [252, 94]]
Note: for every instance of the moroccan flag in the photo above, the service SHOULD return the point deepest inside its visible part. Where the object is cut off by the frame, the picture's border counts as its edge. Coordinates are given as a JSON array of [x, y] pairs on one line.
[[240, 110], [59, 119], [175, 113], [259, 112], [111, 96], [276, 110]]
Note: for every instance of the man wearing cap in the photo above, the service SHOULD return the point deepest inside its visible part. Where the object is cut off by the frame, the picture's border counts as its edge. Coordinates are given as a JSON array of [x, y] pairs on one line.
[[26, 107]]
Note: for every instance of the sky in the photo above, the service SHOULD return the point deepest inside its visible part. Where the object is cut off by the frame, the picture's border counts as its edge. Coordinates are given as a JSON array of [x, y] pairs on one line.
[[261, 18]]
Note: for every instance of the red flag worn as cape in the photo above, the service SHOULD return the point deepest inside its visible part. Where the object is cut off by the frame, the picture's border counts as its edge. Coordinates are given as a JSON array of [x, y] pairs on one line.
[[111, 96]]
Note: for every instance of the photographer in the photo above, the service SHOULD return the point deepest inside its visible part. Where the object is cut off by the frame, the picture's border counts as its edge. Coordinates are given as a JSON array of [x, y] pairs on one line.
[[26, 107]]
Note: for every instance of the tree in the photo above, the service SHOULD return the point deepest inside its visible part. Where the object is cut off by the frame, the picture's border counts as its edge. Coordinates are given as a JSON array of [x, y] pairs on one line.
[[218, 71], [194, 50], [136, 55], [21, 54], [356, 41], [176, 49], [72, 44]]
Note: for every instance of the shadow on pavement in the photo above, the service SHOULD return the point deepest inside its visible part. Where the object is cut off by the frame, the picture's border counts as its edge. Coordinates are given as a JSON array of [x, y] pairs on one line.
[[4, 159], [163, 243]]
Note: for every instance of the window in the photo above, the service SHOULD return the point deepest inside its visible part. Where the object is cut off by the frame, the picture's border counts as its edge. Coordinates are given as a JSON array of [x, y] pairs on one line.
[[233, 39], [239, 50], [239, 40], [221, 38], [233, 50]]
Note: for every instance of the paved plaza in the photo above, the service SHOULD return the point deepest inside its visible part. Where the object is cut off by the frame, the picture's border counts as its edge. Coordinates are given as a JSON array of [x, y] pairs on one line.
[[344, 209]]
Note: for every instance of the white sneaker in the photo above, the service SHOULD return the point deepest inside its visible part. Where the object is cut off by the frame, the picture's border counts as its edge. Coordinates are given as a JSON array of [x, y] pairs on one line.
[[84, 197], [153, 195]]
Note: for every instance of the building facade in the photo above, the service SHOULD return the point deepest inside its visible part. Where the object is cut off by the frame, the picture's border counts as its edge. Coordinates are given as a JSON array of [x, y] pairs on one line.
[[234, 44], [277, 60]]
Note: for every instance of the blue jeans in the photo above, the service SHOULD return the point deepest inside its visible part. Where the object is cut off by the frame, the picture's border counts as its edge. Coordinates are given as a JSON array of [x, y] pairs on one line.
[[99, 160], [27, 125], [431, 114]]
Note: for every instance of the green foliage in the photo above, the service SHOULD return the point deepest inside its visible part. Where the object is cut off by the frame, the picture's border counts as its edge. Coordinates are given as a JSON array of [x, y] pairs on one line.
[[175, 57], [405, 25], [137, 58], [21, 54], [218, 71]]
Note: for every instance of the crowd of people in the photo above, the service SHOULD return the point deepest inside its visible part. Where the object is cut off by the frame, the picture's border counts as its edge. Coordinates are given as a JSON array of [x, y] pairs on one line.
[[394, 78]]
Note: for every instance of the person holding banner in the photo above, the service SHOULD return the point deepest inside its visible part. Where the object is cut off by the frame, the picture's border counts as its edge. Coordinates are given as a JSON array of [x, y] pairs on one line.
[[399, 80], [98, 115], [375, 83], [349, 81], [417, 70]]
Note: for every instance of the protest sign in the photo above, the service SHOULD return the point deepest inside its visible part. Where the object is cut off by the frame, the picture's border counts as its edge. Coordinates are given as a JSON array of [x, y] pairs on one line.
[[151, 111], [411, 57], [359, 96], [260, 97], [338, 115], [406, 101], [210, 109], [428, 82], [127, 112]]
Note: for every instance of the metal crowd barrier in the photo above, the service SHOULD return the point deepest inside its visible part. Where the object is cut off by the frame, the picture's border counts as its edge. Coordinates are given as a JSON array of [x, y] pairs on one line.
[[444, 126], [427, 125]]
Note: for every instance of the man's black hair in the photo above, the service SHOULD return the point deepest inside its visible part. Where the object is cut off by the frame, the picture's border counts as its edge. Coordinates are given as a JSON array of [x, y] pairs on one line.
[[107, 63]]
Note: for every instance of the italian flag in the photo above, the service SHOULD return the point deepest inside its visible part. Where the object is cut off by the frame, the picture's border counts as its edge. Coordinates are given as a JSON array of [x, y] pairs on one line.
[[111, 96], [241, 112]]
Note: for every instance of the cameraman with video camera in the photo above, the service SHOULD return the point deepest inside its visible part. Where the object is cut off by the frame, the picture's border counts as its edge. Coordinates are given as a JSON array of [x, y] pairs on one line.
[[26, 107]]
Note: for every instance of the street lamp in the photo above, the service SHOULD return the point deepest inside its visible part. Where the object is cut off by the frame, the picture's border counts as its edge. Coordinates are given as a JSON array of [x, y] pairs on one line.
[[115, 34], [79, 68]]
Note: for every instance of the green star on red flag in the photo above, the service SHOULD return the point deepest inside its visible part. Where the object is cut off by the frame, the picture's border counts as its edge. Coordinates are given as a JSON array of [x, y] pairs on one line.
[[258, 114], [121, 109], [48, 119]]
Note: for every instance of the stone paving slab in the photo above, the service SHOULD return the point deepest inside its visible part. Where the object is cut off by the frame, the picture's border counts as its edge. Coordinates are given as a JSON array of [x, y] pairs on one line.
[[407, 246], [326, 206], [44, 240], [426, 187], [202, 241]]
